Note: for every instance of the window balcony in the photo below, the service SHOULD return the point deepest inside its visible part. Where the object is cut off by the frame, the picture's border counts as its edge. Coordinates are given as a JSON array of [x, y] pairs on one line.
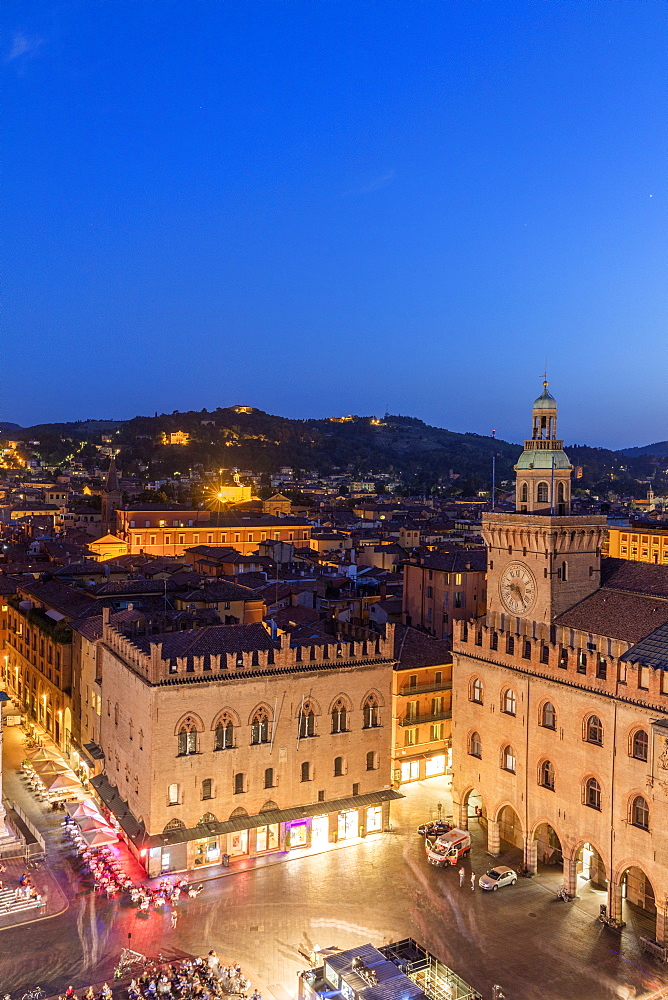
[[406, 691], [417, 720]]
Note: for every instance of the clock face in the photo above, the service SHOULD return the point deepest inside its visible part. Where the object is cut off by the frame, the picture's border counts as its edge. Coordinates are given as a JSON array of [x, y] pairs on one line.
[[518, 589]]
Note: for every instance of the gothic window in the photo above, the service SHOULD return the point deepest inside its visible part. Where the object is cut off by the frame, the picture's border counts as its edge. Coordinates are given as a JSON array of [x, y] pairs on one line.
[[475, 745], [592, 794], [547, 774], [224, 733], [339, 718], [187, 739], [306, 721], [542, 493], [640, 745], [594, 730], [548, 716], [640, 813], [476, 691], [509, 702], [371, 712], [508, 761], [260, 727]]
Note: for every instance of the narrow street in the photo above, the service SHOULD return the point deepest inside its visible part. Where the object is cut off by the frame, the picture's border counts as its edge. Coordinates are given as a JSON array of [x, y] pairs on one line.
[[378, 890]]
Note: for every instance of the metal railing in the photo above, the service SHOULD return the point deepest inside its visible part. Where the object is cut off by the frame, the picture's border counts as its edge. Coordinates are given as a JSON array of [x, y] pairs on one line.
[[406, 690], [416, 720]]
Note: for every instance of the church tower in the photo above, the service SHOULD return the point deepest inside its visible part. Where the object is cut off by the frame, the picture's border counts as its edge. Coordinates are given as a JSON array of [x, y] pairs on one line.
[[541, 559], [111, 499], [543, 470]]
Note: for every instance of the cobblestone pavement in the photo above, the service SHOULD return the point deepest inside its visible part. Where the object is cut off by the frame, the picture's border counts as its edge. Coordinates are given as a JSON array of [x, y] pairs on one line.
[[378, 890]]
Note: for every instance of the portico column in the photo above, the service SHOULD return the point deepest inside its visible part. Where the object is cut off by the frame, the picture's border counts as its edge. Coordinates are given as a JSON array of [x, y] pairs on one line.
[[615, 901], [493, 837], [530, 855], [460, 807], [571, 876], [661, 925]]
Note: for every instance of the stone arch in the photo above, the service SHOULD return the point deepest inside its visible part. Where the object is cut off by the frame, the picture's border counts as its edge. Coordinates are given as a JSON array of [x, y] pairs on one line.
[[270, 806], [206, 818], [309, 704], [174, 824], [373, 693], [189, 720], [632, 885], [549, 849], [227, 714], [511, 829], [341, 697], [261, 706], [586, 863], [238, 812], [471, 804]]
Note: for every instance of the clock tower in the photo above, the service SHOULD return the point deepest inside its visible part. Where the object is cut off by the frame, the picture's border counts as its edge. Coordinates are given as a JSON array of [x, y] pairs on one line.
[[541, 559]]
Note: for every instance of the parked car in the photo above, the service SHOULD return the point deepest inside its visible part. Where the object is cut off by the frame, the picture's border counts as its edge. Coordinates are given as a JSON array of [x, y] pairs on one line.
[[496, 877], [434, 828]]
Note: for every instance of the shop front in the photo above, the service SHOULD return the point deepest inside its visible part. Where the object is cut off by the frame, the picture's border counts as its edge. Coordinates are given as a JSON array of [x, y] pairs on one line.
[[319, 831], [348, 824], [267, 838], [296, 834], [237, 843], [205, 851], [435, 765], [374, 819], [410, 770]]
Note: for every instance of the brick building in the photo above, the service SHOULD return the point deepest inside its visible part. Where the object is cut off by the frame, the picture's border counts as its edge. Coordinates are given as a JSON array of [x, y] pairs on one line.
[[231, 740], [444, 587], [560, 703]]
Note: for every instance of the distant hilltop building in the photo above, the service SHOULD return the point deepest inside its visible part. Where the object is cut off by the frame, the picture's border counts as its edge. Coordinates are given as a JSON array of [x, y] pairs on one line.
[[243, 409], [175, 437]]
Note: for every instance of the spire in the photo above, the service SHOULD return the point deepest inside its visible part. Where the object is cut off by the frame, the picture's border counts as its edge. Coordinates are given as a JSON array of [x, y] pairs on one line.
[[111, 485]]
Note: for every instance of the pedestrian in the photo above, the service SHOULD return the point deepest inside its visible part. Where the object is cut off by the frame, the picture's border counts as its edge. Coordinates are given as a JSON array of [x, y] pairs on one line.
[[472, 881], [175, 917], [462, 875]]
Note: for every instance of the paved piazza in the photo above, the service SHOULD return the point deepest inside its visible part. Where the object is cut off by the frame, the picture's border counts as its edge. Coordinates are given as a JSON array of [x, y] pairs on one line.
[[377, 890]]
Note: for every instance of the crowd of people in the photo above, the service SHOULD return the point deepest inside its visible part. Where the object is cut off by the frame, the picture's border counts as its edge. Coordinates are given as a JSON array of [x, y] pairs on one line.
[[203, 978]]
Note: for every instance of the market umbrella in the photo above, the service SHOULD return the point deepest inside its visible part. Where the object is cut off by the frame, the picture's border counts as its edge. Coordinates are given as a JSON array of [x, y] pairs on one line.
[[86, 823], [46, 767], [61, 782], [81, 809], [42, 753], [99, 838]]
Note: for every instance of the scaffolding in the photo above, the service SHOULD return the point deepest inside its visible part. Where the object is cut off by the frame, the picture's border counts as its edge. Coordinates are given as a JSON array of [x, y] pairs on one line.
[[436, 980]]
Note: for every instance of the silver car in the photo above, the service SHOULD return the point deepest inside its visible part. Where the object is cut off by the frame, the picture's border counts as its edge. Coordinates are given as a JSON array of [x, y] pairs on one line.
[[496, 877]]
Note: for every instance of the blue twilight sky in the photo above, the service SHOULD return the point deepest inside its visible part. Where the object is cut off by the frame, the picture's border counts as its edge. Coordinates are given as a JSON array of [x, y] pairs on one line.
[[337, 207]]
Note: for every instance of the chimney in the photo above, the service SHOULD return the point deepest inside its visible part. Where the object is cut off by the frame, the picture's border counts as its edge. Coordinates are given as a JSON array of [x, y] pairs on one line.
[[106, 614]]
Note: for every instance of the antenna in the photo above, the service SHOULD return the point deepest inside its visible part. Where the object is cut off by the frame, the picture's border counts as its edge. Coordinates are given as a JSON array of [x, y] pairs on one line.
[[493, 472]]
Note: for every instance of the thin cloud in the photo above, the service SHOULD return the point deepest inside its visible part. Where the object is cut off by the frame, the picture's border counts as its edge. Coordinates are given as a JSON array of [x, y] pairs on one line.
[[23, 46], [374, 185]]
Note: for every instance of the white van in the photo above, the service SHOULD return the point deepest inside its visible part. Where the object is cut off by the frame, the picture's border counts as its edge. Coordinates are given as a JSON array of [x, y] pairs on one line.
[[449, 848]]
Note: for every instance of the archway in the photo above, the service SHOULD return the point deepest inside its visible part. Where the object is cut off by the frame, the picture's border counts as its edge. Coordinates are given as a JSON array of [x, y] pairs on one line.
[[548, 847], [471, 808], [590, 868], [510, 827], [638, 903]]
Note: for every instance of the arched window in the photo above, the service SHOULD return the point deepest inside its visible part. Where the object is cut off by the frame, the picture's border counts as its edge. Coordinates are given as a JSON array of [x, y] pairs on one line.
[[561, 493], [640, 745], [476, 691], [509, 702], [306, 771], [508, 761], [187, 739], [547, 774], [207, 788], [224, 734], [640, 813], [371, 712], [239, 783], [269, 777], [260, 727], [339, 718], [306, 722], [524, 493], [592, 794], [564, 570], [594, 730], [542, 493], [206, 818], [548, 716], [372, 760], [339, 767], [475, 745]]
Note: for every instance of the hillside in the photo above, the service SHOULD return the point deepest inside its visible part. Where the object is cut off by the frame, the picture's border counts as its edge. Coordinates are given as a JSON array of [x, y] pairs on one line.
[[231, 437], [659, 450]]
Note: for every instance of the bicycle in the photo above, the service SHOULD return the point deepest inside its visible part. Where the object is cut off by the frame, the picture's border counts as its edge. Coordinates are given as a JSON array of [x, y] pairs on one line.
[[34, 994]]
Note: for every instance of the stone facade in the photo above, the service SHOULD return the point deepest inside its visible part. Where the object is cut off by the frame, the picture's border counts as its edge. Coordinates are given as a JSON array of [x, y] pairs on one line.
[[254, 727]]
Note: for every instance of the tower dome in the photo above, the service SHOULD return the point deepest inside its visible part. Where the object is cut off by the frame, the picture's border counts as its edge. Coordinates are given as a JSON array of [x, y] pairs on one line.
[[543, 483]]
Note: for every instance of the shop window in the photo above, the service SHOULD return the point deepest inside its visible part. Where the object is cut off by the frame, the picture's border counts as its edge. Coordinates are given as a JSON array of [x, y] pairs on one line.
[[374, 819]]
